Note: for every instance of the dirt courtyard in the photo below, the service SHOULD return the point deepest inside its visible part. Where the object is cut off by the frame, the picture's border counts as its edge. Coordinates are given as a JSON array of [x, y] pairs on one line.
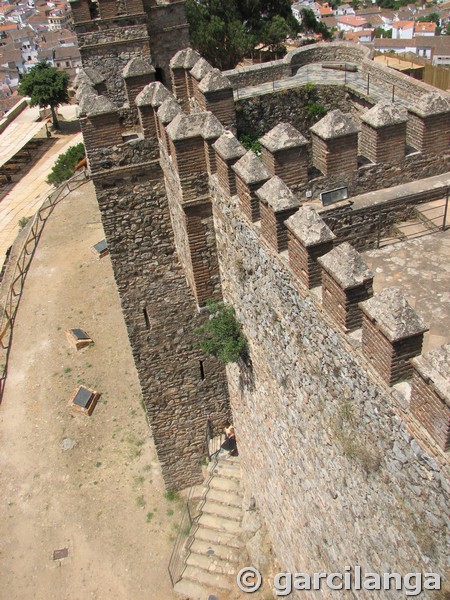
[[89, 484]]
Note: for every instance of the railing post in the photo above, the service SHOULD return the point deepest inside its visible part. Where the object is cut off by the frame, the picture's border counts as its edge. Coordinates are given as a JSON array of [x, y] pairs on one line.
[[368, 83], [379, 230], [445, 210]]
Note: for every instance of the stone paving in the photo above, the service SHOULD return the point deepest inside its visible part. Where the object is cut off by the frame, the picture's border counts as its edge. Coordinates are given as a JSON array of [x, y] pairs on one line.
[[314, 73], [420, 267]]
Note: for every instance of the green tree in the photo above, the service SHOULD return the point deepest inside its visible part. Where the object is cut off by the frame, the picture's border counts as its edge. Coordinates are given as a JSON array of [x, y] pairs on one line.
[[382, 33], [65, 164], [225, 32], [431, 18], [221, 336], [311, 24], [46, 86]]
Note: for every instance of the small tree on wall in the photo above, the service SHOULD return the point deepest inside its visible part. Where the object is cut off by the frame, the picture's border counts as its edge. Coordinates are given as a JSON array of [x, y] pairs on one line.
[[221, 336]]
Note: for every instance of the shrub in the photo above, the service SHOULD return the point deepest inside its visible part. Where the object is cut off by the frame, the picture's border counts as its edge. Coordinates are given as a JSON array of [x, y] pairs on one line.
[[315, 111], [221, 336], [65, 163], [251, 143]]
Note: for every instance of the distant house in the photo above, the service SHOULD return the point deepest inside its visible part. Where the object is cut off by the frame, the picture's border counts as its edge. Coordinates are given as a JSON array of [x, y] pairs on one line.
[[297, 8], [344, 10], [427, 29], [60, 17], [325, 10], [351, 23], [365, 36], [436, 48], [403, 30], [68, 59], [12, 58]]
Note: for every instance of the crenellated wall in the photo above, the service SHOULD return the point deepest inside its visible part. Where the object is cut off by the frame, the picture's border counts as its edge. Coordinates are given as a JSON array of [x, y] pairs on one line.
[[345, 466]]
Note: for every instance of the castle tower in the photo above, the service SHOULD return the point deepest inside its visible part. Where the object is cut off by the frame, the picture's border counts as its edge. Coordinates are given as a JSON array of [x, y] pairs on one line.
[[125, 47]]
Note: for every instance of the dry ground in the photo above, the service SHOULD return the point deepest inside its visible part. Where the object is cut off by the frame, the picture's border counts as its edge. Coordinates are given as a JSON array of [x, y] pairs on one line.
[[103, 499]]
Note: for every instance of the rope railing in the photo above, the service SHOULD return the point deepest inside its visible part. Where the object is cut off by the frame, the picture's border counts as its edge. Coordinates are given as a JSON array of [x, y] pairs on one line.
[[23, 262]]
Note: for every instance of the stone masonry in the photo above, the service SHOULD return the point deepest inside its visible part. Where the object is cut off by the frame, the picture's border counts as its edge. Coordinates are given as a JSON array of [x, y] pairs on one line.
[[345, 467]]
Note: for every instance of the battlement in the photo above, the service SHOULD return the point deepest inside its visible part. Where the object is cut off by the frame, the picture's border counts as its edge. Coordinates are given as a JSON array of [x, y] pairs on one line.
[[196, 148], [337, 401]]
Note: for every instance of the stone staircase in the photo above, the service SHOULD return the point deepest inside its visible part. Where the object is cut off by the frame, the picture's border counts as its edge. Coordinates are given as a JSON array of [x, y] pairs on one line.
[[216, 552]]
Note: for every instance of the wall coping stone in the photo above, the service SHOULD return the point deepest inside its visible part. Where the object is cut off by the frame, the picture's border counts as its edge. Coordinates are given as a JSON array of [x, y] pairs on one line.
[[184, 127], [395, 318], [153, 94], [250, 169], [335, 124], [282, 137], [214, 81], [94, 75], [184, 59], [385, 114], [100, 105], [212, 127], [228, 147], [168, 110], [435, 367], [430, 104], [346, 266], [137, 66], [277, 195], [309, 228], [200, 69], [85, 90]]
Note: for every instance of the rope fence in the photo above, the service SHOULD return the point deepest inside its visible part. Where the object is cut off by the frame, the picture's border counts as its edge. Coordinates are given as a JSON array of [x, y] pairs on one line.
[[22, 266]]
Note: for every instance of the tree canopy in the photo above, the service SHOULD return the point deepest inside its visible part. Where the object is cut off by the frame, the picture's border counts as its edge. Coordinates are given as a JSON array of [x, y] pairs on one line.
[[225, 32], [46, 86], [311, 24]]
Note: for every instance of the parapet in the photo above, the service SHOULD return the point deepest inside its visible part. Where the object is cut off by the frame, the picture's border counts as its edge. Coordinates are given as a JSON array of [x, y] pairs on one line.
[[392, 334], [138, 73], [335, 144], [251, 174], [309, 237], [429, 124], [277, 204], [383, 133], [148, 101], [285, 154], [100, 125], [180, 65], [228, 152], [430, 394], [346, 281]]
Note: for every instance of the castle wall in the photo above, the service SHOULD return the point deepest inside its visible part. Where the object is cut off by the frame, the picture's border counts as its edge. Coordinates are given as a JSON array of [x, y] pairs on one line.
[[161, 315], [324, 447], [256, 116]]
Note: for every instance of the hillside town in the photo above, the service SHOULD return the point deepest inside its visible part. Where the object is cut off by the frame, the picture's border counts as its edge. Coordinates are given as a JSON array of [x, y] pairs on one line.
[[36, 31]]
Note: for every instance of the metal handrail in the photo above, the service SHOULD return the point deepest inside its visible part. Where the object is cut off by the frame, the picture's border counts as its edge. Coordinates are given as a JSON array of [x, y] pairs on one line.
[[23, 263], [185, 538]]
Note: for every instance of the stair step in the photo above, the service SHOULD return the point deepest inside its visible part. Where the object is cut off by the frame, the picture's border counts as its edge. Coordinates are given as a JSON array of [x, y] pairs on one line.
[[224, 456], [221, 510], [189, 589], [219, 523], [226, 498], [213, 581], [212, 536], [211, 563], [226, 485], [220, 551], [224, 469]]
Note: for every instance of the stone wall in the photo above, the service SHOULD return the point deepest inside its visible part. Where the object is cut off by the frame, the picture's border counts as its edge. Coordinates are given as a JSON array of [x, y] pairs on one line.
[[258, 115], [325, 452], [161, 315]]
